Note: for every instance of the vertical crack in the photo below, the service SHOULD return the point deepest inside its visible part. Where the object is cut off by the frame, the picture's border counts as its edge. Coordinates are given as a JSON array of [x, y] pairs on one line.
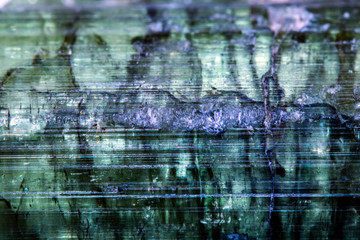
[[66, 49], [9, 119], [271, 75], [274, 219], [231, 60], [200, 202], [251, 49], [194, 60]]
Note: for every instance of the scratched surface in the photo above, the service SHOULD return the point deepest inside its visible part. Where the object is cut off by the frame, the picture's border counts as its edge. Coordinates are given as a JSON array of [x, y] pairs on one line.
[[181, 120]]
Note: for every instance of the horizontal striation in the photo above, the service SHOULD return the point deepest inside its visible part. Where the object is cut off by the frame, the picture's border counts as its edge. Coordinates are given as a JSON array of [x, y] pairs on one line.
[[181, 120]]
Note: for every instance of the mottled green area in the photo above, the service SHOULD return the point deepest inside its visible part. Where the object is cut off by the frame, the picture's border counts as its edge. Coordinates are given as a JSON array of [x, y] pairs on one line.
[[70, 167]]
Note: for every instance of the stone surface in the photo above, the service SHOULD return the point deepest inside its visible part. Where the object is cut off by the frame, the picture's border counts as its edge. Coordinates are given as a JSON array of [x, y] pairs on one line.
[[181, 120]]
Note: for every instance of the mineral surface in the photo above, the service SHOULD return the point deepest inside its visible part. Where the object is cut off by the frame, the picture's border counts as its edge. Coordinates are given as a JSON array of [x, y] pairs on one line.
[[179, 119]]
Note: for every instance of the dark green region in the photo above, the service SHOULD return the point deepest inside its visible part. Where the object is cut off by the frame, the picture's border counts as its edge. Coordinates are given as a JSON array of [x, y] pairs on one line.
[[179, 120]]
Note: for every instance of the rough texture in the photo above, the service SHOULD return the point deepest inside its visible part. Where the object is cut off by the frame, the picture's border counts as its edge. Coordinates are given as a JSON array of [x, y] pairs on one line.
[[181, 120]]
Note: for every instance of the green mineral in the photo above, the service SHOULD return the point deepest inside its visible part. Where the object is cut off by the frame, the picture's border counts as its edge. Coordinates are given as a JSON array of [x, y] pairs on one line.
[[179, 119]]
